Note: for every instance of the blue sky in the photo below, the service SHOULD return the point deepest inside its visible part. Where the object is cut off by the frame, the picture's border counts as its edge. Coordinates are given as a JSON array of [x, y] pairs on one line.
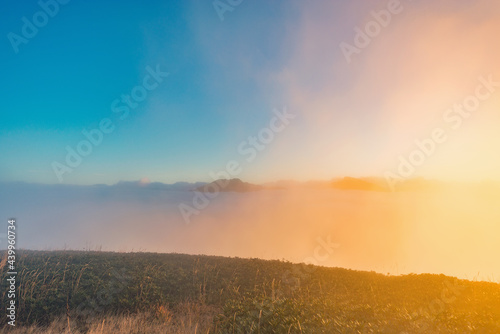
[[225, 79], [65, 78]]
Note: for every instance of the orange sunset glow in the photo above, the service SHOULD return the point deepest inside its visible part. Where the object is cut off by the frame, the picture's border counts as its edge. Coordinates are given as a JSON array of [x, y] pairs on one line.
[[241, 166]]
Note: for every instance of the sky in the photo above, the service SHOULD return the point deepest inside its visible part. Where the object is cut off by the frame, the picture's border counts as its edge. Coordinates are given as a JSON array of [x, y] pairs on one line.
[[225, 73]]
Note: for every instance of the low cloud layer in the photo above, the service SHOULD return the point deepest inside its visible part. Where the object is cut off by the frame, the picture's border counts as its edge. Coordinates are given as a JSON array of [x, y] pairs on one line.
[[449, 231]]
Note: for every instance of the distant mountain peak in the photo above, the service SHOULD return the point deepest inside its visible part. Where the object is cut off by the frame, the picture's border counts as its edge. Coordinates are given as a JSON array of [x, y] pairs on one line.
[[229, 185]]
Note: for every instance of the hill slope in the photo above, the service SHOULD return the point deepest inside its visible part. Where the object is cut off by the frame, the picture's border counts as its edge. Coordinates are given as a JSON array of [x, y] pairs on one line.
[[243, 295]]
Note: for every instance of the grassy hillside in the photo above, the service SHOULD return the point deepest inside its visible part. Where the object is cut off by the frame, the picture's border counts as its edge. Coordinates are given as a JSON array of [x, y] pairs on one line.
[[98, 292]]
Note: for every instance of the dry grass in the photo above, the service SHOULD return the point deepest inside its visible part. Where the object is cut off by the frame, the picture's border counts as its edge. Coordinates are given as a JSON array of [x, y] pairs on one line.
[[3, 262], [187, 318]]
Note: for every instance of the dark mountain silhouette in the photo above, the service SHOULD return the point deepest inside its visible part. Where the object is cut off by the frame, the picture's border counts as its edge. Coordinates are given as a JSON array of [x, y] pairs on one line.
[[235, 185]]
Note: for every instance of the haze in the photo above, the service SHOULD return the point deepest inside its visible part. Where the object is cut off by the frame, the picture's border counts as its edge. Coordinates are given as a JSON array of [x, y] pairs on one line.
[[451, 231]]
